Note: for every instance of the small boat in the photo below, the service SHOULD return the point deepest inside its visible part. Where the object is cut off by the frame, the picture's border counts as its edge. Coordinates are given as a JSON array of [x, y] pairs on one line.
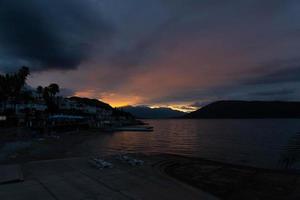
[[134, 128]]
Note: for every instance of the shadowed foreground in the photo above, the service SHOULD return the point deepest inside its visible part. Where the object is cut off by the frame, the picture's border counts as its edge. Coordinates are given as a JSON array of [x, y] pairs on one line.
[[75, 178], [233, 181]]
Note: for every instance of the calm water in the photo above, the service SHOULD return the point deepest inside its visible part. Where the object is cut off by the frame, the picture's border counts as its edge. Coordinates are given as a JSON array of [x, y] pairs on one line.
[[258, 142]]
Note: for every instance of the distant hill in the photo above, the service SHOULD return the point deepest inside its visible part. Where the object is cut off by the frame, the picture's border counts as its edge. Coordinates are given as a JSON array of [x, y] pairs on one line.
[[91, 102], [248, 109], [100, 104], [145, 112]]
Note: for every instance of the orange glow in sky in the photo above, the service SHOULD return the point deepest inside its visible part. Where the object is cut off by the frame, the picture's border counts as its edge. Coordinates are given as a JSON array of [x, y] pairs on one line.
[[118, 100], [180, 107], [115, 100]]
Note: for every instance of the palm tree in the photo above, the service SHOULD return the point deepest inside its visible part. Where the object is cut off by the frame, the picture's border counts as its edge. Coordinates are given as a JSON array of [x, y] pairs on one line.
[[11, 85], [2, 85], [18, 81], [3, 96], [23, 73], [46, 94], [53, 89], [39, 91], [5, 88], [26, 96], [49, 96]]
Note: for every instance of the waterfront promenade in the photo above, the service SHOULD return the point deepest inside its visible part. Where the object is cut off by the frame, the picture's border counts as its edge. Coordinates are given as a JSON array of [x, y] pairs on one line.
[[75, 178], [157, 178]]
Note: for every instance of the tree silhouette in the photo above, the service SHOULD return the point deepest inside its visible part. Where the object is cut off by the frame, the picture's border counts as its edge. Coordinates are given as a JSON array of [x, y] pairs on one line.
[[49, 97], [11, 85], [39, 91], [53, 89]]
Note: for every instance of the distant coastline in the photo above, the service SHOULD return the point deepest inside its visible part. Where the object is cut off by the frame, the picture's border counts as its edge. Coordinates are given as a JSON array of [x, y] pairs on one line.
[[247, 109], [145, 112], [44, 111]]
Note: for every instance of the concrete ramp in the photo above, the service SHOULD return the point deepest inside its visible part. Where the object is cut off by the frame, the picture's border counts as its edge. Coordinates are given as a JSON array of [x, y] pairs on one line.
[[10, 173], [76, 179], [27, 190]]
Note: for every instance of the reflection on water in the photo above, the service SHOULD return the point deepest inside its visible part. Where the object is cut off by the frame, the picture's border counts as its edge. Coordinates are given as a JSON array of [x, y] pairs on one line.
[[291, 152], [258, 142]]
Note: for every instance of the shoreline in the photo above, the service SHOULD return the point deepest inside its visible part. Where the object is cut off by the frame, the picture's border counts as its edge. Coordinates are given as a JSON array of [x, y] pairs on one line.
[[230, 181], [220, 180], [224, 180], [19, 145], [18, 150]]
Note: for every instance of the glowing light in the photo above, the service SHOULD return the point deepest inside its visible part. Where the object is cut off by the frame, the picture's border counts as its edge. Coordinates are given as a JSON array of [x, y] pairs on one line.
[[120, 100], [180, 107], [114, 99]]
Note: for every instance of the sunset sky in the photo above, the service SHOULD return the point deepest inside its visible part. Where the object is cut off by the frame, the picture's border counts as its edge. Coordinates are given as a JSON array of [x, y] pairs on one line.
[[177, 53]]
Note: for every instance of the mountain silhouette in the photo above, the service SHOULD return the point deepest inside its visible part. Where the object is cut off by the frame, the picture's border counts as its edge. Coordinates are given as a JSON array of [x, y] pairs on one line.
[[248, 109], [144, 112]]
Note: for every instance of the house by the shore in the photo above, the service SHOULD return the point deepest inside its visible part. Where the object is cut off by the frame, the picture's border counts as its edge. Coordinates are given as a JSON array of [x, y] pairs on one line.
[[72, 112]]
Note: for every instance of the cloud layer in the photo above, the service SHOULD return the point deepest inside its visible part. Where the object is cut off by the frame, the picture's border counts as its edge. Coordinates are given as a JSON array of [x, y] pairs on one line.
[[158, 52], [49, 34]]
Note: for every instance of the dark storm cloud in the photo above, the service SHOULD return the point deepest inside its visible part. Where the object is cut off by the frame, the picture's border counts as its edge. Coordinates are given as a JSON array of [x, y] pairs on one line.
[[286, 75], [281, 76], [280, 92], [160, 51], [49, 34], [67, 92], [238, 26]]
